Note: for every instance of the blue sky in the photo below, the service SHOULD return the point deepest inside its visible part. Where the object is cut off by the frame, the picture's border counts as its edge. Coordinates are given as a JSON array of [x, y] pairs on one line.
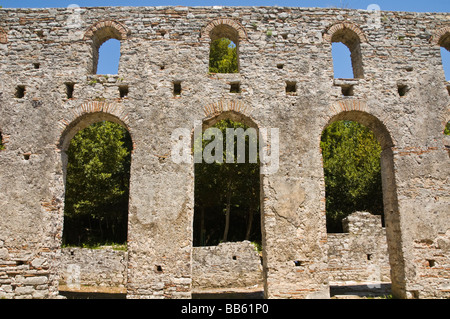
[[395, 5], [109, 51]]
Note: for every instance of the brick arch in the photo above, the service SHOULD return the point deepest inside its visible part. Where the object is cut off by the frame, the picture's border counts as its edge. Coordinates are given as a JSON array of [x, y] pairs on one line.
[[214, 109], [235, 110], [343, 28], [226, 24], [3, 36], [89, 113], [441, 37], [356, 110], [113, 28]]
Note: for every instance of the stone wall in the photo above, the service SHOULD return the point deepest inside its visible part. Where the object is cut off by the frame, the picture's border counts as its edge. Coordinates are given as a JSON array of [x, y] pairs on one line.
[[22, 275], [228, 265], [103, 267], [44, 50], [360, 254]]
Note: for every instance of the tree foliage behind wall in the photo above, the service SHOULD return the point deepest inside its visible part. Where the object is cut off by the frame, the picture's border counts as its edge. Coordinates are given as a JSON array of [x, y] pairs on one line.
[[223, 56], [351, 159], [97, 185], [227, 199]]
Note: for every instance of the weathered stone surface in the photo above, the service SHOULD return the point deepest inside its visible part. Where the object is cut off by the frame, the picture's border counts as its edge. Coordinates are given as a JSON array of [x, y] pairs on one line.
[[360, 254], [228, 265], [93, 267], [43, 49]]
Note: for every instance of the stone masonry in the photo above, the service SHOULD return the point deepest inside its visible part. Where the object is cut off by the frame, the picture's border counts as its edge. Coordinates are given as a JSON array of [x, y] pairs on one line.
[[357, 255], [103, 267], [360, 254], [49, 91], [227, 265]]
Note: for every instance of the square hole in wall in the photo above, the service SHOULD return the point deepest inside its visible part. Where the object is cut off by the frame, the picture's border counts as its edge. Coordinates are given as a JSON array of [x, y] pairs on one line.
[[123, 91], [70, 87], [36, 65], [20, 91], [40, 33], [347, 90], [402, 89], [431, 262], [177, 88], [280, 66], [369, 256], [158, 268], [291, 87], [235, 87]]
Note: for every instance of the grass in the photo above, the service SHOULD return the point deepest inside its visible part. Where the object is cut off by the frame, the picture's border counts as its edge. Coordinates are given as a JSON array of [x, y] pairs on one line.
[[114, 246]]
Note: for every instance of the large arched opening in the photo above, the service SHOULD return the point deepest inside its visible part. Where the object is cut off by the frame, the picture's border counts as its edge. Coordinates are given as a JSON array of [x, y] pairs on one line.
[[367, 124], [96, 153], [227, 211]]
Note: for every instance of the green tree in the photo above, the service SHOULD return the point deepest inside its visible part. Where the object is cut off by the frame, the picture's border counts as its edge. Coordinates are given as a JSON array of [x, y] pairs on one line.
[[223, 56], [97, 185], [447, 129], [226, 196], [351, 160]]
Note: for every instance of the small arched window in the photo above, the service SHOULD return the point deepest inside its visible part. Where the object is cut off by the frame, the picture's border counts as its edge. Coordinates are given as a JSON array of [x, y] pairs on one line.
[[342, 62], [106, 37], [224, 50], [346, 42], [109, 57]]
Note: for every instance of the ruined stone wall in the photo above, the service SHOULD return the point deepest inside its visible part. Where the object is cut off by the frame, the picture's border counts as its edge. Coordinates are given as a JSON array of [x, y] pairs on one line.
[[228, 265], [103, 267], [360, 254], [43, 51]]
